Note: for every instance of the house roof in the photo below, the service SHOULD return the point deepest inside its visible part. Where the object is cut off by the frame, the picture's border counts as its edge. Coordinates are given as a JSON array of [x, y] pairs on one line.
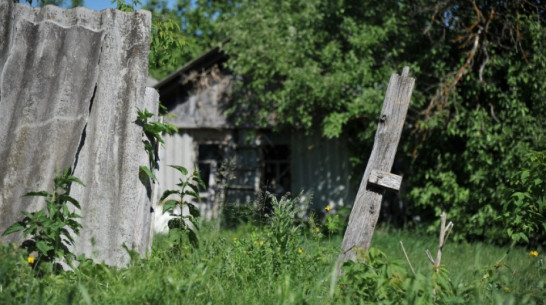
[[203, 61]]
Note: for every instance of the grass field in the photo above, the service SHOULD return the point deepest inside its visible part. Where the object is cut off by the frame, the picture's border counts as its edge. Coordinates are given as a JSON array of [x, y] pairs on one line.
[[247, 266]]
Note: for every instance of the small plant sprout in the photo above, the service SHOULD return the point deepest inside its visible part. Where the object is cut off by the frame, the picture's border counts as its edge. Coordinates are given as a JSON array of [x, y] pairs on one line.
[[153, 131], [176, 204]]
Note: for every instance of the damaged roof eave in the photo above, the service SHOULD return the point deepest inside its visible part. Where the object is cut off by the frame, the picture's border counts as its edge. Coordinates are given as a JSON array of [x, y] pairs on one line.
[[191, 65]]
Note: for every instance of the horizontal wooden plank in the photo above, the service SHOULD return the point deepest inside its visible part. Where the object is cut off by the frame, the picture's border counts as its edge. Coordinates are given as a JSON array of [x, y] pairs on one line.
[[385, 179]]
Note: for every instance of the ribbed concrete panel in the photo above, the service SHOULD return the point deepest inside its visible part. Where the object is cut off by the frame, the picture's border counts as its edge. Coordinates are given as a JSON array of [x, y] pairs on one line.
[[320, 167], [70, 84]]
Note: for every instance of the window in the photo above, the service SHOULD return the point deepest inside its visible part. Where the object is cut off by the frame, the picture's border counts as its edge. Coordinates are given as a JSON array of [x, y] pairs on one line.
[[276, 174], [208, 159]]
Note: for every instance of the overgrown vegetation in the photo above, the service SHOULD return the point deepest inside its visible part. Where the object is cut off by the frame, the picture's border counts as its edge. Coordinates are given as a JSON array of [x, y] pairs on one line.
[[49, 230], [476, 148], [246, 266]]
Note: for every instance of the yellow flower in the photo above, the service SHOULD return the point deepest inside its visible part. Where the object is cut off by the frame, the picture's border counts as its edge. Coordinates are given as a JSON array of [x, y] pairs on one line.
[[533, 253], [327, 208], [234, 239], [507, 289], [261, 243], [30, 259], [300, 251], [316, 229]]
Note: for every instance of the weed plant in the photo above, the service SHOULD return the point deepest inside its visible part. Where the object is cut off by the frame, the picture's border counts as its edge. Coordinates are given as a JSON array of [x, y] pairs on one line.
[[48, 230], [282, 262], [175, 200]]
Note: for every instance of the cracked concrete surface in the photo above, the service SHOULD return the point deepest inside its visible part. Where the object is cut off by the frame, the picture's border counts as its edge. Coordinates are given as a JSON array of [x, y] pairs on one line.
[[64, 102]]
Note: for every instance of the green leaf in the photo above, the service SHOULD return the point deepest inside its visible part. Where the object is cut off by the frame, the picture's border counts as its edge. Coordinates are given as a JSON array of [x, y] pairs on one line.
[[193, 239], [75, 179], [181, 169], [198, 179], [66, 212], [16, 227], [65, 197], [167, 193], [40, 193], [43, 247], [169, 205], [146, 170], [194, 211], [192, 194]]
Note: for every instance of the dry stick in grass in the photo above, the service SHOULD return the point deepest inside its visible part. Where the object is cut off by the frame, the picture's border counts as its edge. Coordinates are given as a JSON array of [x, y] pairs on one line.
[[407, 258], [444, 233]]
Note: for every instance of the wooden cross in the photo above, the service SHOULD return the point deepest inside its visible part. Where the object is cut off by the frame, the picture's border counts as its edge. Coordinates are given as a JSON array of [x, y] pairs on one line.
[[377, 176]]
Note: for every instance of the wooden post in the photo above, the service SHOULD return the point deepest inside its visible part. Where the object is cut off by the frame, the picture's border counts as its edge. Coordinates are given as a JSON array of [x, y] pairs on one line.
[[377, 176]]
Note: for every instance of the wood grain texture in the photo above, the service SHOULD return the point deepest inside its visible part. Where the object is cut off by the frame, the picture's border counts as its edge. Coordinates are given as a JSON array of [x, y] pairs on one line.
[[385, 179], [367, 204]]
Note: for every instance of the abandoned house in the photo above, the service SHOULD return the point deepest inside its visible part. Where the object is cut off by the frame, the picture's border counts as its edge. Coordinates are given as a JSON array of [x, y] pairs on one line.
[[234, 162]]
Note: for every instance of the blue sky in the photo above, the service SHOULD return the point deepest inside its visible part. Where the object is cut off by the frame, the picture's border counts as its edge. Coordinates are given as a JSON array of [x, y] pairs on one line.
[[102, 4], [98, 4]]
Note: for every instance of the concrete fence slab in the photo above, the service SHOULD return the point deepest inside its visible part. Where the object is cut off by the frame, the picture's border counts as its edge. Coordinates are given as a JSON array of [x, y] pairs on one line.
[[70, 84]]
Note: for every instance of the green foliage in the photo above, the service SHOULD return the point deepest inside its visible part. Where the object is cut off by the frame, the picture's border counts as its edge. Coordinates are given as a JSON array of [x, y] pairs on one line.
[[377, 280], [336, 222], [123, 6], [153, 131], [184, 32], [242, 266], [525, 208], [188, 186], [477, 109], [495, 285], [15, 274], [313, 64], [50, 229], [166, 41], [282, 223]]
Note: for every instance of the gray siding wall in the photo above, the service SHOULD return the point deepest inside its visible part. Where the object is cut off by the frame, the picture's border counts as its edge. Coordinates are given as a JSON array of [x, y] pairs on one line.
[[178, 150], [320, 167]]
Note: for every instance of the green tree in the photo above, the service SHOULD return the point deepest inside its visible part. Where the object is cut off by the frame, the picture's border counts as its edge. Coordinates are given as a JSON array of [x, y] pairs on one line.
[[196, 25], [477, 109]]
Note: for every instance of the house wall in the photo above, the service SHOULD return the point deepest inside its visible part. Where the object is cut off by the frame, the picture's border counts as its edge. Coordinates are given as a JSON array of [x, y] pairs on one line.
[[181, 149], [320, 167]]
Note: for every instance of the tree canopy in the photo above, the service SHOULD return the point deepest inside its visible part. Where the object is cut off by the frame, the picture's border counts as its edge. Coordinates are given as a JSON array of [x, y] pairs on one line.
[[194, 23], [476, 121]]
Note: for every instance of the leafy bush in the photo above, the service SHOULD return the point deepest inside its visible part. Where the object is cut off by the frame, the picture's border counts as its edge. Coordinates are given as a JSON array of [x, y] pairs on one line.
[[282, 225], [48, 228], [336, 222], [524, 209], [476, 111], [376, 280], [15, 274]]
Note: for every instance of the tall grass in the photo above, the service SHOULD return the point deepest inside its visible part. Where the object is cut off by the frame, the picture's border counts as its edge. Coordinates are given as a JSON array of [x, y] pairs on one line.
[[244, 266]]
